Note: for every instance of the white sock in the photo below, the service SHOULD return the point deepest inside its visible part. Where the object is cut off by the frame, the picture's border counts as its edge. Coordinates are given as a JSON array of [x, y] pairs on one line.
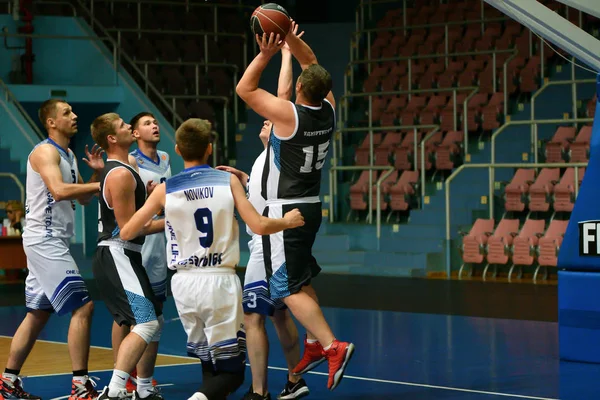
[[10, 377], [198, 396], [328, 347], [144, 387], [311, 341], [117, 383]]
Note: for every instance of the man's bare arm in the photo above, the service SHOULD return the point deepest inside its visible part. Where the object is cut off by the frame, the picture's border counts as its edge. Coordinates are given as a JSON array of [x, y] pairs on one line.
[[45, 160]]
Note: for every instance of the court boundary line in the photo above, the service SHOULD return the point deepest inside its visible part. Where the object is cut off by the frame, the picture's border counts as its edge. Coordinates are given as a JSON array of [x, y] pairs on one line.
[[358, 378]]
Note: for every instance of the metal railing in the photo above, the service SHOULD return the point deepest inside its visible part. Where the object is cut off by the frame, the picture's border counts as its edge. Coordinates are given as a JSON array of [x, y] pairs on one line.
[[120, 55], [573, 83], [204, 34], [416, 143], [17, 182], [197, 66], [332, 193], [187, 5], [9, 97], [534, 139], [343, 105], [225, 101], [410, 59], [11, 8], [491, 168]]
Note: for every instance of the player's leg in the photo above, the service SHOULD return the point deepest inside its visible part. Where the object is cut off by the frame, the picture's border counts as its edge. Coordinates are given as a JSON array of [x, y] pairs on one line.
[[289, 285], [225, 336], [257, 306], [125, 289], [39, 310], [287, 333]]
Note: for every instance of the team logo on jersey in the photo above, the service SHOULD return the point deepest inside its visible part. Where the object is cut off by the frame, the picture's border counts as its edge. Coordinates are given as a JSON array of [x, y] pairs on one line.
[[140, 161], [164, 157]]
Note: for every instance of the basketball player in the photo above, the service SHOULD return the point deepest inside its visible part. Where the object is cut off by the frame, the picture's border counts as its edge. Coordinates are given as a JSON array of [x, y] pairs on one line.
[[153, 166], [117, 265], [298, 145], [54, 283], [256, 301], [202, 235]]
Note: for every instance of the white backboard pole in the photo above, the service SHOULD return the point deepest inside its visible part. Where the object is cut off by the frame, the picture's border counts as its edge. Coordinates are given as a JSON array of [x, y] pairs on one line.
[[554, 28]]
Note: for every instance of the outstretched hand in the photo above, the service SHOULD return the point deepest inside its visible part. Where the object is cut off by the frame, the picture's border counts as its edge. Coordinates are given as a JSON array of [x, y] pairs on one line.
[[94, 158], [238, 174], [269, 44], [292, 33]]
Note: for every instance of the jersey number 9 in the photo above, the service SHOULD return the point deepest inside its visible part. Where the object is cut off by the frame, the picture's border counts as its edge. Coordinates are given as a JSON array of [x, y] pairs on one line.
[[204, 224]]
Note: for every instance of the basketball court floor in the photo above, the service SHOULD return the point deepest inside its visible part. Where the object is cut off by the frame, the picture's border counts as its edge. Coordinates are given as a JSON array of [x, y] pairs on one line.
[[467, 352]]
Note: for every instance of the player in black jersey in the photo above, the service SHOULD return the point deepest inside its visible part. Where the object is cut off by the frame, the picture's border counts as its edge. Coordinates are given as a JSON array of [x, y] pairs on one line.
[[298, 145], [117, 266]]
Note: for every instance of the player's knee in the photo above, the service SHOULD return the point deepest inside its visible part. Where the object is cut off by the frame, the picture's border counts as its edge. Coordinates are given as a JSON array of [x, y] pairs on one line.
[[161, 323], [147, 330], [254, 320], [86, 311], [281, 317]]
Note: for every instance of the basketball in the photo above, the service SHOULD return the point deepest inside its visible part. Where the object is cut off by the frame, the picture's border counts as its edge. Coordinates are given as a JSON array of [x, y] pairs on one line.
[[269, 18]]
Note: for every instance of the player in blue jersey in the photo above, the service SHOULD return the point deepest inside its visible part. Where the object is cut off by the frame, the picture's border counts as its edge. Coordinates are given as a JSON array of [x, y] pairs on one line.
[[203, 247]]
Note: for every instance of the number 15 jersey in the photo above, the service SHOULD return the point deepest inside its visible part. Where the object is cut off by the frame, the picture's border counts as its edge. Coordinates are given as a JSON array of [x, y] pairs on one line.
[[200, 226], [293, 164]]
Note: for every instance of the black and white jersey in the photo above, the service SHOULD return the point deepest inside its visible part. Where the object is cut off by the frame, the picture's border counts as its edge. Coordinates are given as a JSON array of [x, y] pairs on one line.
[[293, 164], [107, 223]]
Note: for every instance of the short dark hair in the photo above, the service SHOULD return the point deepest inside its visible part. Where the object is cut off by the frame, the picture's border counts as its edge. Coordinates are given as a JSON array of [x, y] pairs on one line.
[[192, 138], [48, 110], [136, 119], [316, 83]]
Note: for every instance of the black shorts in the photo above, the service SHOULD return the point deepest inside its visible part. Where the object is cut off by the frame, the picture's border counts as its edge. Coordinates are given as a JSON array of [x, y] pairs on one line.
[[124, 285], [289, 262]]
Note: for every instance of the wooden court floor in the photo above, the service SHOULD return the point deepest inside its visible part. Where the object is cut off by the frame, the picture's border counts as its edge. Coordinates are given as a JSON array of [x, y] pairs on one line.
[[51, 358]]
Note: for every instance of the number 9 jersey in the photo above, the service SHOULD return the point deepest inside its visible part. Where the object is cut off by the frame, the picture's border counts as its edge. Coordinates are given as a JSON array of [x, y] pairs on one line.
[[200, 225], [293, 164]]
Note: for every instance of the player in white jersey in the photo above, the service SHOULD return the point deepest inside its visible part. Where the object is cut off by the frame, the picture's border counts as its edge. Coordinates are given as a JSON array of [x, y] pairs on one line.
[[153, 167], [54, 283], [257, 301], [203, 246], [298, 147]]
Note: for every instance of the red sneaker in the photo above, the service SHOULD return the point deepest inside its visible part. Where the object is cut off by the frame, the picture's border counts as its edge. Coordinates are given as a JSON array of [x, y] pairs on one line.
[[84, 390], [14, 390], [338, 356], [312, 357]]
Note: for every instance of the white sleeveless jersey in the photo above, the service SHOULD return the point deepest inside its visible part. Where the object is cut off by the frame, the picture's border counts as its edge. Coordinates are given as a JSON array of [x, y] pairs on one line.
[[200, 225], [150, 170], [46, 218], [254, 186]]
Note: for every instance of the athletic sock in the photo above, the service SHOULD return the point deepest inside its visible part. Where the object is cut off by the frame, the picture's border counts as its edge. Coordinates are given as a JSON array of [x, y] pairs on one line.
[[198, 396], [144, 387], [117, 383], [11, 374], [311, 341], [80, 375]]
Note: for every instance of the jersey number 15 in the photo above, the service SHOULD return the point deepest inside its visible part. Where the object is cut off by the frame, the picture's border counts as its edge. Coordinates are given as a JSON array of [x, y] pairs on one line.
[[309, 157]]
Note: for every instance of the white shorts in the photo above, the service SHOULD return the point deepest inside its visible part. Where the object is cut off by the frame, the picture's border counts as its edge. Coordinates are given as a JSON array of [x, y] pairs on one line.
[[256, 297], [210, 308], [154, 260], [53, 282]]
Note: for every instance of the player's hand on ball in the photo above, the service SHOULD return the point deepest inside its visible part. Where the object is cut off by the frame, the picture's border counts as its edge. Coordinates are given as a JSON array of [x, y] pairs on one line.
[[293, 32], [269, 44], [294, 218]]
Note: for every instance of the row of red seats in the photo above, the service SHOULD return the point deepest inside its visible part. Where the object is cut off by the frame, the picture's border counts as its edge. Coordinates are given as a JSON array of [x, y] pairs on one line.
[[568, 145], [509, 244], [442, 150], [483, 111], [398, 191], [548, 189]]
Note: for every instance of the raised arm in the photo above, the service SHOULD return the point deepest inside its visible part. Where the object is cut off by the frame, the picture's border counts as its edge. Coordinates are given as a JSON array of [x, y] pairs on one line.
[[45, 161], [95, 161], [142, 222], [259, 224], [284, 85], [279, 111], [303, 53]]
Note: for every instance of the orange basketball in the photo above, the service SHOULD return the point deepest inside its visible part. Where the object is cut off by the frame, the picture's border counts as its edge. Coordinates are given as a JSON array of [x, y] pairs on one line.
[[269, 18]]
